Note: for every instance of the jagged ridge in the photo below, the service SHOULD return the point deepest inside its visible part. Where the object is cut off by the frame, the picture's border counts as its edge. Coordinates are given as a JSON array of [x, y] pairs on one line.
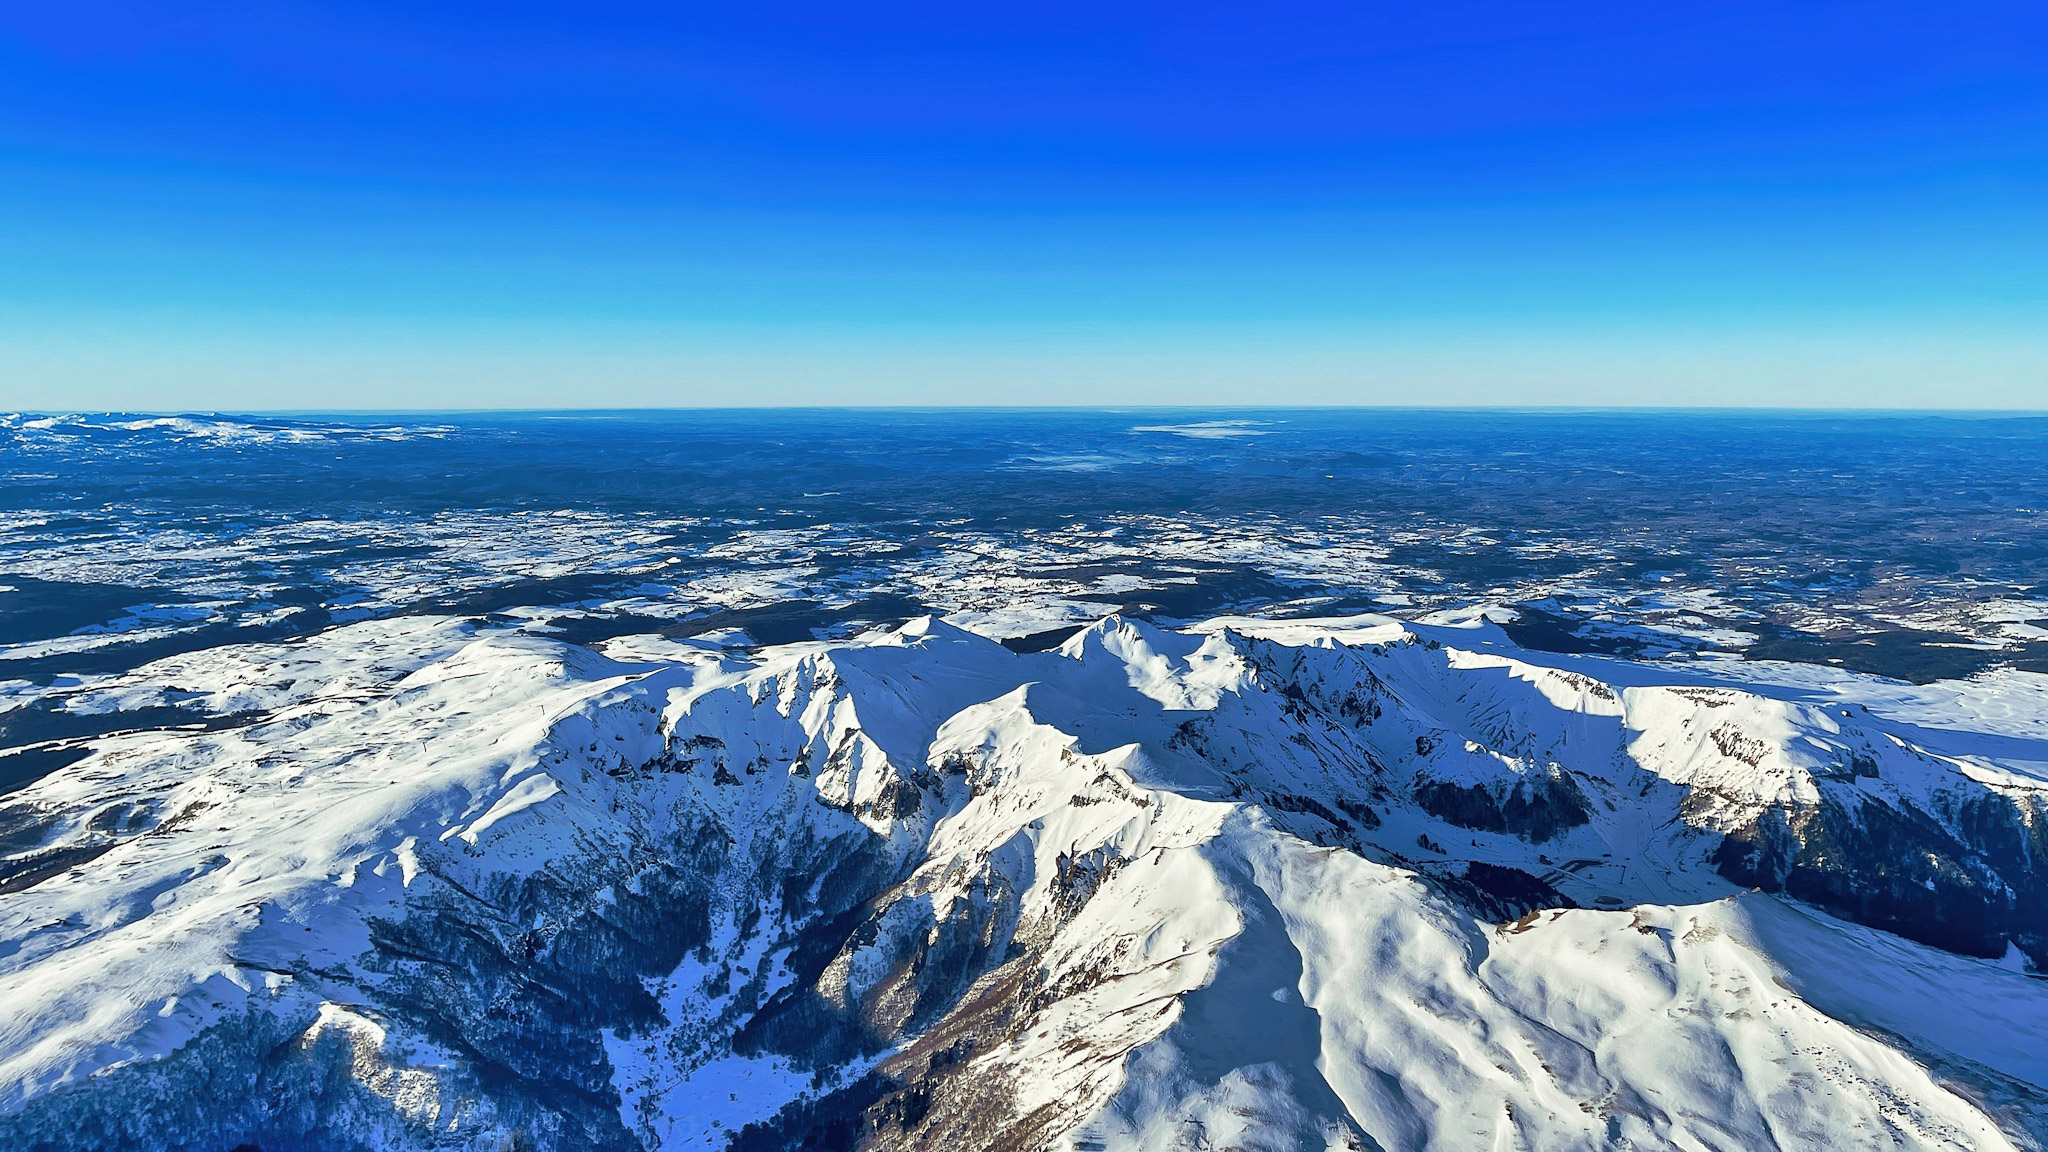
[[1348, 883]]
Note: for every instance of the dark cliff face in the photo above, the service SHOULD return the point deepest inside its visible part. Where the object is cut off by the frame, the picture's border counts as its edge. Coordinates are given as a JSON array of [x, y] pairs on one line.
[[519, 978], [1533, 809], [1969, 874], [1905, 871]]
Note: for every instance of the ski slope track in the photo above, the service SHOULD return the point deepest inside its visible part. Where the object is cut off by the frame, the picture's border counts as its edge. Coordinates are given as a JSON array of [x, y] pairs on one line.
[[1336, 884]]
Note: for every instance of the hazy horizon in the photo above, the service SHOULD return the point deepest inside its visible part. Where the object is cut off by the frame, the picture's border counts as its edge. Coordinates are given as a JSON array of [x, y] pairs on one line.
[[1727, 410]]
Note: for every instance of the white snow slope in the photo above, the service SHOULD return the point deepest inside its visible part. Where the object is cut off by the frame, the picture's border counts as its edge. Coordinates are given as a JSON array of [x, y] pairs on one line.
[[1254, 885]]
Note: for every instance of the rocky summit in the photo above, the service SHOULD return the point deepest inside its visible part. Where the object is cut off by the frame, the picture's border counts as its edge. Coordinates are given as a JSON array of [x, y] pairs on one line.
[[1342, 883]]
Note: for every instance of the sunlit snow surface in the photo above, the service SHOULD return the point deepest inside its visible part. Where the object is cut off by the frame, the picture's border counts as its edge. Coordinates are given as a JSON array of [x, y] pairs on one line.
[[1058, 780], [1906, 545]]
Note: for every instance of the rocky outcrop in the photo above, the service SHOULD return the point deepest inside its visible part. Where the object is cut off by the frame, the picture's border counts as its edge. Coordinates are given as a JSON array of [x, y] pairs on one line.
[[1349, 885]]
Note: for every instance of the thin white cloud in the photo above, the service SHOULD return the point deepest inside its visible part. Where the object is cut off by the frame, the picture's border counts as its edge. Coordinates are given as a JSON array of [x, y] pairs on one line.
[[1212, 429]]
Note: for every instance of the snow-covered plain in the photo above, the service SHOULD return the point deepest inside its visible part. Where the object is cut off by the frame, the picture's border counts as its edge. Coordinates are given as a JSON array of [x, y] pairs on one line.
[[1907, 546], [1353, 883]]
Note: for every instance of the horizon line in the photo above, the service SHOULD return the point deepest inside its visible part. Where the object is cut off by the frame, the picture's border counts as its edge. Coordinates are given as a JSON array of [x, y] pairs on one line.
[[1557, 409]]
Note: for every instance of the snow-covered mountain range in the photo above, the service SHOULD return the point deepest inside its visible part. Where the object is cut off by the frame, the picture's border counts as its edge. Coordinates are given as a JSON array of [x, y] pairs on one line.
[[1352, 883]]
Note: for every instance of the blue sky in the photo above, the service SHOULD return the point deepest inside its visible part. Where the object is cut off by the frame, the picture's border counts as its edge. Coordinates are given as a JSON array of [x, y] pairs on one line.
[[310, 205]]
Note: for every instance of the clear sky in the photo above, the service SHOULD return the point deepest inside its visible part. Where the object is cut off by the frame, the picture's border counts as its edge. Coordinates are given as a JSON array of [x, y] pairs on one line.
[[297, 204]]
